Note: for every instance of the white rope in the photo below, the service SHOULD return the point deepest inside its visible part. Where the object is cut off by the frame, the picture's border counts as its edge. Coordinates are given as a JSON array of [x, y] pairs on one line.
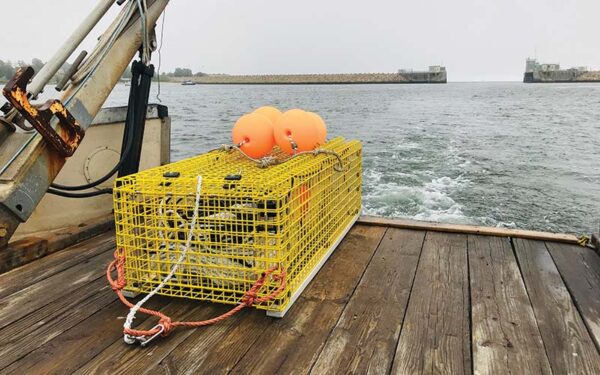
[[131, 316], [162, 34]]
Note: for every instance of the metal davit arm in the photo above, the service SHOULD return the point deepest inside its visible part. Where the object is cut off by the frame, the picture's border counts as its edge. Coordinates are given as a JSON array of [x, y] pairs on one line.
[[29, 163]]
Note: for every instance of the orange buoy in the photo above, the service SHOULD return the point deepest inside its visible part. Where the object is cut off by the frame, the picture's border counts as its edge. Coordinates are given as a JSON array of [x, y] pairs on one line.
[[271, 112], [296, 127], [321, 127], [254, 135]]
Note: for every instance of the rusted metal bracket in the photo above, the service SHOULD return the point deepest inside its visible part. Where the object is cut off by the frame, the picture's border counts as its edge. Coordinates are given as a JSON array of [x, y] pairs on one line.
[[68, 134]]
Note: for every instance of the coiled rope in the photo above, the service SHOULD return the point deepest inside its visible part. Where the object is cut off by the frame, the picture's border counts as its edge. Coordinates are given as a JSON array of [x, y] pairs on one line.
[[165, 324]]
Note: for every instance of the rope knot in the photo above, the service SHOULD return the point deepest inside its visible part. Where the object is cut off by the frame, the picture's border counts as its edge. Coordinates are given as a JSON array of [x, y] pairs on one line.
[[250, 297], [119, 284], [167, 325]]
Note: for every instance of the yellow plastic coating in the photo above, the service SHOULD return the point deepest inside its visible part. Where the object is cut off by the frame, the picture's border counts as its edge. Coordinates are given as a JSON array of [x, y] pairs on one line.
[[287, 215]]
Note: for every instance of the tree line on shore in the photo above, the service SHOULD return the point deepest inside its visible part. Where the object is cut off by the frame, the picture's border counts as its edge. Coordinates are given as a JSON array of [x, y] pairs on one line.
[[180, 72], [8, 69]]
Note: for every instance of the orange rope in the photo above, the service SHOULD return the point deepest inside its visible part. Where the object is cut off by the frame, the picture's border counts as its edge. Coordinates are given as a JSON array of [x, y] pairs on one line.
[[250, 298]]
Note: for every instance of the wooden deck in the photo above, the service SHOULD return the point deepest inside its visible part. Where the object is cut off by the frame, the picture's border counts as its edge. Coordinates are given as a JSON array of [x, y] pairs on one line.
[[388, 300]]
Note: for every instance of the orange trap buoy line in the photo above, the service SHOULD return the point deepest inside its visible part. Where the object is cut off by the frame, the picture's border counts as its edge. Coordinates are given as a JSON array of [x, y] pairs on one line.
[[165, 324]]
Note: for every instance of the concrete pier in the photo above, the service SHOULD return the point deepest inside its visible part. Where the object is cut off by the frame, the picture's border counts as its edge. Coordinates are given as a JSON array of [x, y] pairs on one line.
[[548, 73]]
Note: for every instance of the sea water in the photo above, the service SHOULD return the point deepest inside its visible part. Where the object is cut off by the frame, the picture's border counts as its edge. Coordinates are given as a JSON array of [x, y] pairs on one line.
[[497, 154]]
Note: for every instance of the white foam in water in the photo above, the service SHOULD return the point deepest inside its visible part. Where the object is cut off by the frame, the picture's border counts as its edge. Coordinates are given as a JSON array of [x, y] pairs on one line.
[[430, 201], [502, 224]]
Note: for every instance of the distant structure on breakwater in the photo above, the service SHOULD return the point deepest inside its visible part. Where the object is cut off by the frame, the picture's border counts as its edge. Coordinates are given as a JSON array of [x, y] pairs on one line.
[[536, 72], [435, 74]]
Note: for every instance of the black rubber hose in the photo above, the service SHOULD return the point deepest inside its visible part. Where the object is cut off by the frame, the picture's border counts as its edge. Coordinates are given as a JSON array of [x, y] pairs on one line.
[[105, 177], [115, 169], [79, 195], [138, 70]]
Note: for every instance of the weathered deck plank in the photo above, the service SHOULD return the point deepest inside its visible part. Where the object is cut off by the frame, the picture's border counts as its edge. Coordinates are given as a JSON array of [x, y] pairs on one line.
[[505, 334], [364, 339], [78, 345], [35, 247], [292, 344], [580, 269], [35, 296], [435, 337], [119, 357], [375, 304], [216, 349], [32, 273], [568, 344], [43, 325]]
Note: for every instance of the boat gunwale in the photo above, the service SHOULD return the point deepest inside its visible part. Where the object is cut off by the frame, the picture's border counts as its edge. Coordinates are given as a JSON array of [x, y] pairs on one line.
[[467, 229]]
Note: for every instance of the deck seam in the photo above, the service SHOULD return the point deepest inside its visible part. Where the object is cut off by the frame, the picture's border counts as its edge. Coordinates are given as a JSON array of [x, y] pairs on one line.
[[412, 285], [537, 324], [574, 300], [470, 310], [337, 322]]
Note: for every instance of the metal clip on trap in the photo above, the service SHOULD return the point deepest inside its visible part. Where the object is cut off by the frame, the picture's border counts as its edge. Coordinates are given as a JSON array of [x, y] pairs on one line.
[[66, 138]]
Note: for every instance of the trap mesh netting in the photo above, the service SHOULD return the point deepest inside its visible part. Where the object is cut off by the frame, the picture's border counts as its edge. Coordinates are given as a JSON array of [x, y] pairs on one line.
[[249, 219]]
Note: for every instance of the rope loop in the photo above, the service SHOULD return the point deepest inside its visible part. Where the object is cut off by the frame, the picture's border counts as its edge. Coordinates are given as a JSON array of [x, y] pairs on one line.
[[118, 264]]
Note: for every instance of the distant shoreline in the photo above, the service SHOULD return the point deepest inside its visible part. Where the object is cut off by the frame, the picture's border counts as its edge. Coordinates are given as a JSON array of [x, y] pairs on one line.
[[316, 79]]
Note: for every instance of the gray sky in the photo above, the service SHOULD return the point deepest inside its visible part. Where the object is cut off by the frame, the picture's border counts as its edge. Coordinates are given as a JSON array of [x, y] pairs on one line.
[[475, 39]]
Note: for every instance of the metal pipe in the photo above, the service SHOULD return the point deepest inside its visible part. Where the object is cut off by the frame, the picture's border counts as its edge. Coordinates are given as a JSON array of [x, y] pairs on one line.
[[64, 52], [68, 74]]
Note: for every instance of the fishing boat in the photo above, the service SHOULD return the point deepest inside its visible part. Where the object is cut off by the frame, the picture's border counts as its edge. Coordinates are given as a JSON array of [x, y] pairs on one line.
[[188, 83], [394, 296]]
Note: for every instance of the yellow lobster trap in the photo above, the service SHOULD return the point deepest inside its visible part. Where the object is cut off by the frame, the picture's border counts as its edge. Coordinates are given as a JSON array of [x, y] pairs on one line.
[[250, 218]]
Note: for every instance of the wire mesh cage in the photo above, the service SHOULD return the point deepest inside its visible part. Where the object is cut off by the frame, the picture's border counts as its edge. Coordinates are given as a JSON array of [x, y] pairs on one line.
[[249, 219]]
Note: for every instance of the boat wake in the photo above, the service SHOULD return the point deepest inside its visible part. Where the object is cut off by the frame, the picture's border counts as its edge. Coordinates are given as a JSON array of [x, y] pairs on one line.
[[430, 200]]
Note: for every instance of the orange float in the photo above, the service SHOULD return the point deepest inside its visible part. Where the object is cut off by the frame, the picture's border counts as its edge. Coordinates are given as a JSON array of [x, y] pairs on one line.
[[321, 127], [296, 127], [271, 112], [254, 135]]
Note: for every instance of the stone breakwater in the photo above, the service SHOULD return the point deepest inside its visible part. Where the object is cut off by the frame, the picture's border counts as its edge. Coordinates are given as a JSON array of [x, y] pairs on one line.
[[299, 79], [589, 77], [567, 75]]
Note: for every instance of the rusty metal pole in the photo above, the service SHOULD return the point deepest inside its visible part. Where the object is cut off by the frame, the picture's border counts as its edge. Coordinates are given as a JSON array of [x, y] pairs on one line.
[[27, 174]]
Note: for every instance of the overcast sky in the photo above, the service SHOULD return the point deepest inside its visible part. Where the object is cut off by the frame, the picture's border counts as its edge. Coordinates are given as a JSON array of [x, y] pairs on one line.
[[475, 39]]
